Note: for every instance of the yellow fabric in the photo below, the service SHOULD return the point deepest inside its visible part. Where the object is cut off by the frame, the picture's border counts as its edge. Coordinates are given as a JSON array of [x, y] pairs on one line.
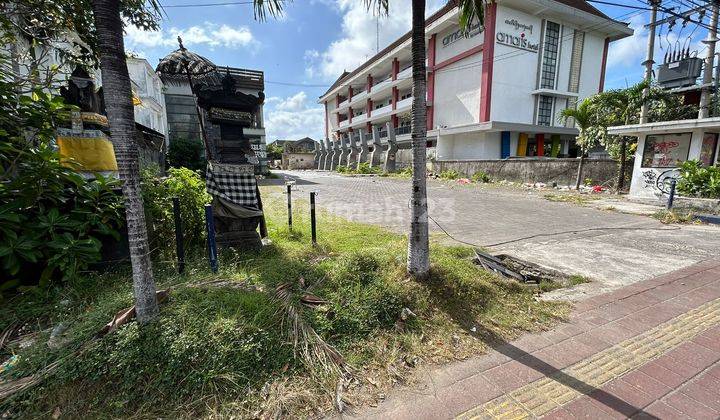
[[522, 144], [87, 154]]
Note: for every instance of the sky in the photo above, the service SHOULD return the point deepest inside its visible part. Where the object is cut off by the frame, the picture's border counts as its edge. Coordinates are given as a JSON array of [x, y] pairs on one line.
[[303, 52]]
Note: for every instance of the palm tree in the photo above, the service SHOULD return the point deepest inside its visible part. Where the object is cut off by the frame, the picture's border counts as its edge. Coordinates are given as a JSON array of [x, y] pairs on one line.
[[621, 107], [582, 115], [418, 259], [119, 107]]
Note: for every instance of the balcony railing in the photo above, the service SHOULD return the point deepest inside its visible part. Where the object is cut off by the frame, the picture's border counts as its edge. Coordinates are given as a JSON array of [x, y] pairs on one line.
[[383, 134], [382, 85], [405, 73], [357, 119], [358, 96], [343, 123], [382, 111], [407, 102]]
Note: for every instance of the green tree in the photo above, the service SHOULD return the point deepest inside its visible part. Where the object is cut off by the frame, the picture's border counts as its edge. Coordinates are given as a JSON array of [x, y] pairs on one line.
[[582, 115], [622, 107], [418, 260], [274, 151], [187, 153]]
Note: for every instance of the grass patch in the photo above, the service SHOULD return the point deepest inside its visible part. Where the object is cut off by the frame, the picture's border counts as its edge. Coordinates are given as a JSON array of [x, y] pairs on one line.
[[449, 175], [221, 352], [550, 285], [675, 216], [580, 199]]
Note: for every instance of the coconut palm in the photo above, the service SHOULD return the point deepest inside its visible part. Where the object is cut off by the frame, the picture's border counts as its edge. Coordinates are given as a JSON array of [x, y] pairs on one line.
[[119, 107], [418, 259], [582, 116]]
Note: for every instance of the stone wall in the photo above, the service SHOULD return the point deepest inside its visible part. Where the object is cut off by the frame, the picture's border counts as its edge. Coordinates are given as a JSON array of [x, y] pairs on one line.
[[547, 170]]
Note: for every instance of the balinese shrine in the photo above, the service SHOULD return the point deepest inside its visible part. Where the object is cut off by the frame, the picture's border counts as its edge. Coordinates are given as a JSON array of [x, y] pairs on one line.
[[223, 107]]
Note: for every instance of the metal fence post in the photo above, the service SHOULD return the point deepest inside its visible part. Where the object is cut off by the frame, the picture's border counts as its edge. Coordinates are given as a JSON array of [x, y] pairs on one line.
[[212, 246], [312, 218], [671, 198], [289, 195], [179, 237]]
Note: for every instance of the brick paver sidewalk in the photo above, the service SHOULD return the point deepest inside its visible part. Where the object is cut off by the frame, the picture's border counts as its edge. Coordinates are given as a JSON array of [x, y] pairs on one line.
[[649, 350]]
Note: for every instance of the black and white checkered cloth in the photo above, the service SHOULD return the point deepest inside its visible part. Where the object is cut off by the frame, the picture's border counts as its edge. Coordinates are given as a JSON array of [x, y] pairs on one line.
[[234, 183]]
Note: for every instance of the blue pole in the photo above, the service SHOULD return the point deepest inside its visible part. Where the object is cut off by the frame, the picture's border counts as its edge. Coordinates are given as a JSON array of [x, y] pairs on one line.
[[212, 246], [671, 198]]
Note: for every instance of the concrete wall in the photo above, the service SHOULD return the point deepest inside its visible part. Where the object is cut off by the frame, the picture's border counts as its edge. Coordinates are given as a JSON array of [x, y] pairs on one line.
[[645, 179], [562, 171]]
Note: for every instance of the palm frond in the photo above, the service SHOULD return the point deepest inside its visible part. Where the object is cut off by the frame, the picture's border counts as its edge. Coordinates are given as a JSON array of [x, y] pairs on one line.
[[379, 7], [311, 348], [263, 8], [471, 11]]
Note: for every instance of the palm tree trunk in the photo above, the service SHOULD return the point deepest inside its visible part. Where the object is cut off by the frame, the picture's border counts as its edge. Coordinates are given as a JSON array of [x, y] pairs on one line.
[[580, 169], [623, 164], [119, 107], [418, 263]]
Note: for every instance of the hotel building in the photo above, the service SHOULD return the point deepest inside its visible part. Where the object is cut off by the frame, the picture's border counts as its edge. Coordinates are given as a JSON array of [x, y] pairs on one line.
[[493, 94]]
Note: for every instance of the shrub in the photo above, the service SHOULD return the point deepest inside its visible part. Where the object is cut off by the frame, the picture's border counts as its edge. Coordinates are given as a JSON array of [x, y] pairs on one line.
[[406, 172], [187, 153], [342, 169], [449, 175], [699, 181], [481, 176], [189, 187], [52, 219], [364, 168]]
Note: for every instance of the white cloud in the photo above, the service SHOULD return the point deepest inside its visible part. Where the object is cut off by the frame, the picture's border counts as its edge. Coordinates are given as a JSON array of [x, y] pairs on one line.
[[209, 34], [630, 51], [294, 103], [293, 118], [358, 39]]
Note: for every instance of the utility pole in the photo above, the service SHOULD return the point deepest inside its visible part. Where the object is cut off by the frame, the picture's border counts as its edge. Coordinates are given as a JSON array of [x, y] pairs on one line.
[[648, 63], [710, 41]]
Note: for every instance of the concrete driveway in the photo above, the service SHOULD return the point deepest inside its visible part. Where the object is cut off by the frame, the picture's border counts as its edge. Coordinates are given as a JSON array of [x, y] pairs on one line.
[[611, 248]]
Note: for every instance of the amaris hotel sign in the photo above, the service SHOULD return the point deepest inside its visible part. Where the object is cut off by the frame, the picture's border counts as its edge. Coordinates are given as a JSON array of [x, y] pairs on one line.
[[520, 41], [452, 37]]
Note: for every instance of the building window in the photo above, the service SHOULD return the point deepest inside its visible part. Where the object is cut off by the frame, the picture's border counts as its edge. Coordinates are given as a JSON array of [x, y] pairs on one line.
[[550, 55], [545, 110]]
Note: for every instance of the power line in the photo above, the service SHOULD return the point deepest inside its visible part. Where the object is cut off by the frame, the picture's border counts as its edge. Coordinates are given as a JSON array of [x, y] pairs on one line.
[[619, 5]]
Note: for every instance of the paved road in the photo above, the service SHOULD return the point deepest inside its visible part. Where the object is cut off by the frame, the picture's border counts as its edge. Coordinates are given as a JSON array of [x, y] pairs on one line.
[[612, 248]]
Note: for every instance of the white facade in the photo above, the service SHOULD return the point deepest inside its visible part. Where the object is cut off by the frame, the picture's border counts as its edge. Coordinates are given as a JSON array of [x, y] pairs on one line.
[[148, 88], [494, 94]]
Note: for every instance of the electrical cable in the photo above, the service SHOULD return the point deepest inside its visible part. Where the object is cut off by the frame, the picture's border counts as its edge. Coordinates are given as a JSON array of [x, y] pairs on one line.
[[545, 234], [618, 5]]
